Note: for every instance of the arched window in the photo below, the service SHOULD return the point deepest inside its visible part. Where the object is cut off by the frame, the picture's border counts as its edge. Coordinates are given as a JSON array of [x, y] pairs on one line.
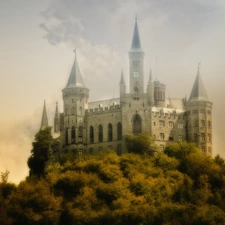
[[119, 131], [100, 133], [66, 137], [137, 124], [80, 134], [80, 110], [91, 134], [73, 135], [110, 134]]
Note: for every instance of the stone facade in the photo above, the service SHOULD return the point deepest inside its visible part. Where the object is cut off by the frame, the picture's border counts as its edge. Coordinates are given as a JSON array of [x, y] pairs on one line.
[[90, 127]]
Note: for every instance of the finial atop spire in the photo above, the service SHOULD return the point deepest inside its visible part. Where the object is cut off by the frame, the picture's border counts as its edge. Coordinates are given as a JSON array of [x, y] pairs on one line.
[[75, 52], [44, 120]]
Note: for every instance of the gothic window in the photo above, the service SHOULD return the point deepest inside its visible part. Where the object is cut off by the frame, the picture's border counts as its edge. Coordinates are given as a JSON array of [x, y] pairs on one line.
[[209, 111], [66, 137], [66, 111], [209, 137], [180, 138], [162, 123], [72, 100], [119, 131], [110, 134], [137, 124], [180, 125], [80, 110], [136, 63], [209, 124], [80, 151], [171, 137], [161, 136], [100, 133], [171, 124], [203, 123], [202, 136], [154, 124], [203, 148], [91, 134], [80, 134], [73, 135]]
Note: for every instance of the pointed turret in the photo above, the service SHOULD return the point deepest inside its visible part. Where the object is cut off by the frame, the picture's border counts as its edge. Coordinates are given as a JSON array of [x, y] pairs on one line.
[[122, 85], [56, 119], [150, 89], [75, 78], [136, 43], [122, 78], [44, 120], [199, 111], [198, 90]]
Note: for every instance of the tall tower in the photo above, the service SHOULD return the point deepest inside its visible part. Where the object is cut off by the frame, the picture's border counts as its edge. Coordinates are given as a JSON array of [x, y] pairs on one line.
[[44, 120], [199, 111], [136, 56], [75, 98]]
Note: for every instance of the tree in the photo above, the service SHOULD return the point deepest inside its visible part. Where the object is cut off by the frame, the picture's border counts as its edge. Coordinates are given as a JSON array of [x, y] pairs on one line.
[[140, 143], [41, 152]]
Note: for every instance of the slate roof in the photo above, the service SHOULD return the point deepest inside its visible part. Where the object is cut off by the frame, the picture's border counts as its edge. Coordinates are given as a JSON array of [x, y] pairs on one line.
[[198, 92], [136, 43], [75, 78]]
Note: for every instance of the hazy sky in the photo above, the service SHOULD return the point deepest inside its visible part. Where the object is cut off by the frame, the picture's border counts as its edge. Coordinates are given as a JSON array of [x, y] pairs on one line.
[[37, 42]]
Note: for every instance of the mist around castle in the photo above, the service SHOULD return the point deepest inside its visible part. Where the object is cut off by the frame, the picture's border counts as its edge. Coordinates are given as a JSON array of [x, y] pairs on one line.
[[132, 121]]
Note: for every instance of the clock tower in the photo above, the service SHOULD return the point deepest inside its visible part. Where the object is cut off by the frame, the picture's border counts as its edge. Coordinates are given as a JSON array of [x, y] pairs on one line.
[[136, 56]]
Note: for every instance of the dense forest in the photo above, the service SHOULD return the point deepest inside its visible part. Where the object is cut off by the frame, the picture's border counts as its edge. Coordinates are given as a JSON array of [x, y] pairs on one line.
[[145, 186]]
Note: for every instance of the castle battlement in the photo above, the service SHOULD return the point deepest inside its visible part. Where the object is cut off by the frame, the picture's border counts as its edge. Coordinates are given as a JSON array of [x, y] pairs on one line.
[[107, 109]]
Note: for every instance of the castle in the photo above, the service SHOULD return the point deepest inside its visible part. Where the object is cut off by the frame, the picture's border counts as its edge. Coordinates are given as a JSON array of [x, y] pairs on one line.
[[90, 127]]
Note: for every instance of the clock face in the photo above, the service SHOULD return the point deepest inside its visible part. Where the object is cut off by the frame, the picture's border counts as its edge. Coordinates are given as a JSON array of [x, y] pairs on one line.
[[136, 74]]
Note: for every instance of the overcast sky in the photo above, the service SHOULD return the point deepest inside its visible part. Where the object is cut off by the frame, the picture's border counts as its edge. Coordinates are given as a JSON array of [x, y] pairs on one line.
[[37, 42]]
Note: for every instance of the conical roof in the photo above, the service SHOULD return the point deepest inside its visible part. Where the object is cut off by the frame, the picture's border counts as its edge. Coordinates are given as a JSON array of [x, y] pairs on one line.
[[198, 91], [122, 78], [136, 43], [44, 120], [75, 78]]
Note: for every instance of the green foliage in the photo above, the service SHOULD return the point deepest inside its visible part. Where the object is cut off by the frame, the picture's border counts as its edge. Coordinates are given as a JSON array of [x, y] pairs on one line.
[[140, 143], [41, 153], [173, 188]]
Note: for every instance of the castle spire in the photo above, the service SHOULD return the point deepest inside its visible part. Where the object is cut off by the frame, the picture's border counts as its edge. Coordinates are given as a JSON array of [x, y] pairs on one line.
[[56, 119], [44, 120], [75, 78], [122, 78], [198, 90], [136, 43]]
